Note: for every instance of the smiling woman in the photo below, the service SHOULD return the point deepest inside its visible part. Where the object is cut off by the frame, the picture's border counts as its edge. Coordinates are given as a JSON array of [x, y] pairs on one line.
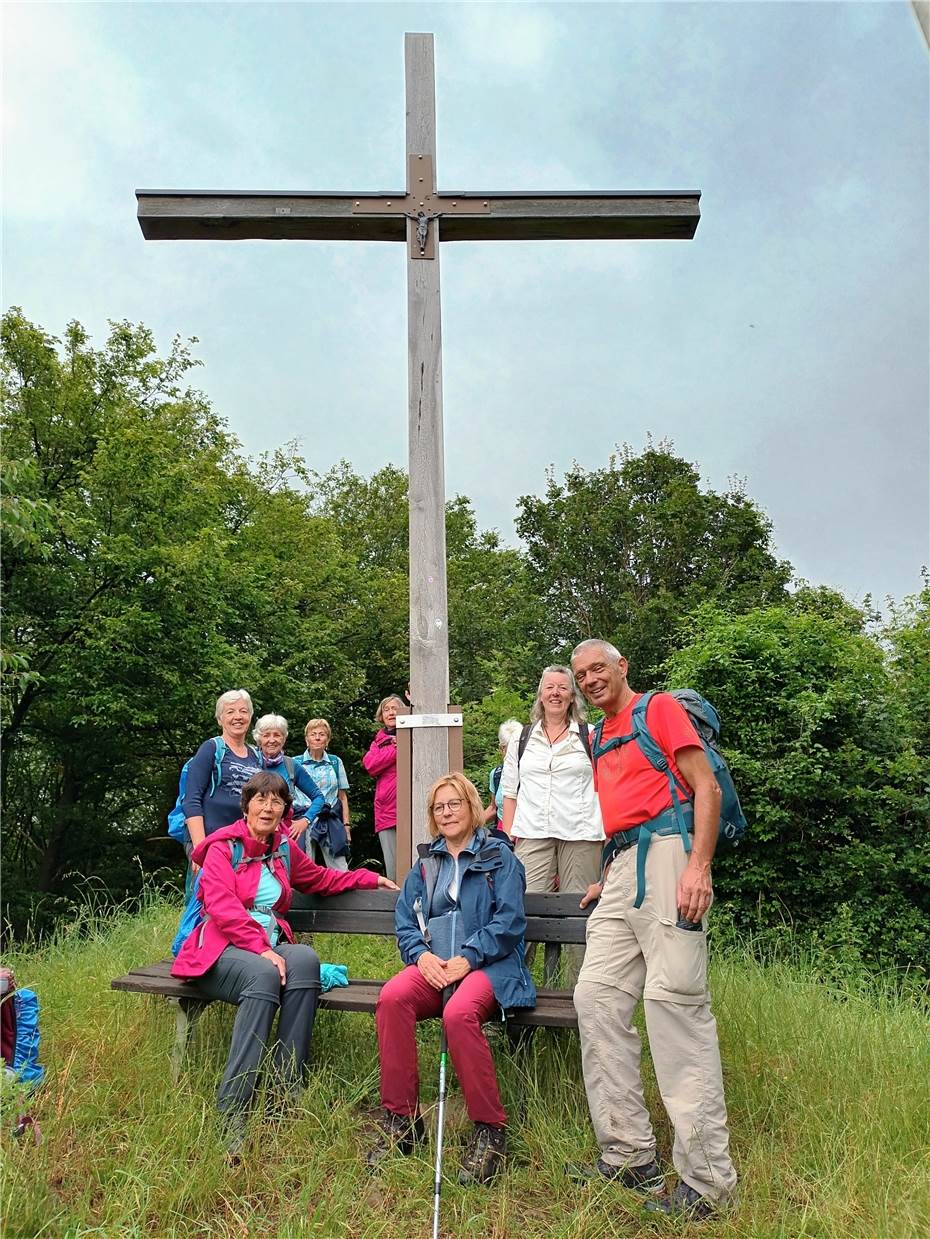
[[550, 806], [243, 952], [460, 924], [220, 769]]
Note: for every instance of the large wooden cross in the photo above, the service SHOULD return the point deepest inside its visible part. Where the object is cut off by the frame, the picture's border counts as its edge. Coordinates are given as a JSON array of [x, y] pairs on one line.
[[421, 216]]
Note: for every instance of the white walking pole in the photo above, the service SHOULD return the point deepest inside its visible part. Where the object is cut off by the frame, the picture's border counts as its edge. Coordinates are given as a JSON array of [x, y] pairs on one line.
[[440, 1119]]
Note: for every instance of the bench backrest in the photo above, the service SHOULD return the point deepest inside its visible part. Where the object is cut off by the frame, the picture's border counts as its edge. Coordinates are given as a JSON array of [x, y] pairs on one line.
[[549, 918]]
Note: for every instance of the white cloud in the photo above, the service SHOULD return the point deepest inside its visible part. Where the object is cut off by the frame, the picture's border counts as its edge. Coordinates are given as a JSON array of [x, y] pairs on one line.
[[516, 37]]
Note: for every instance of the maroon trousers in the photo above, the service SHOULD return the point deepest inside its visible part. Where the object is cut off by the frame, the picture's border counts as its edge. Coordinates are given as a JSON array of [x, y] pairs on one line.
[[407, 998]]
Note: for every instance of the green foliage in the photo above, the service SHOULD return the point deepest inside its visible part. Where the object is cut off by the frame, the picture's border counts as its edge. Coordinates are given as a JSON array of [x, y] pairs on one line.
[[818, 735], [827, 1091], [626, 552], [148, 566]]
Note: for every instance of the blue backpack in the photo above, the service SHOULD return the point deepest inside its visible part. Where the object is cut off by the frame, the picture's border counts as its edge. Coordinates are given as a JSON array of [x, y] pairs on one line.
[[20, 1048], [675, 820], [193, 915], [177, 822]]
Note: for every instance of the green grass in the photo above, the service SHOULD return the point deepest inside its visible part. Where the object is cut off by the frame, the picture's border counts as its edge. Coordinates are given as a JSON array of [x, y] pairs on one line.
[[828, 1088]]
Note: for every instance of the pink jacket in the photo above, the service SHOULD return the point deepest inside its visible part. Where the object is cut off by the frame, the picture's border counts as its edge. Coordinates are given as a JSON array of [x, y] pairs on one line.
[[381, 763], [227, 895]]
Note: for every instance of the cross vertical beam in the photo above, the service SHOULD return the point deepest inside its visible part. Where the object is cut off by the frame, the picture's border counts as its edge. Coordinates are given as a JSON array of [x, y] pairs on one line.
[[429, 628]]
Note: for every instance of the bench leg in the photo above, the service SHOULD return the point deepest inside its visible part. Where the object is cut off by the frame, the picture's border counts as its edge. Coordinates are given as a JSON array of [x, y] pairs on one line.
[[189, 1011], [551, 965]]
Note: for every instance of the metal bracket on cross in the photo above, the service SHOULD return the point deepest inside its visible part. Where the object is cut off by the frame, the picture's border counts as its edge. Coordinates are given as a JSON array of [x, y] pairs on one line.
[[428, 720], [413, 730], [422, 204]]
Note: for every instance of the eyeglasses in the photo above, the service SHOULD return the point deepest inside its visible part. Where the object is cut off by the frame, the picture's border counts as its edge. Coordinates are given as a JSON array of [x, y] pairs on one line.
[[269, 798], [453, 806]]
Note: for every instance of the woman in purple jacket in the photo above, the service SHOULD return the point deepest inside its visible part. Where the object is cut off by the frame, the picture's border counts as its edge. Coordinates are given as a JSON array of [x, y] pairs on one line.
[[381, 763]]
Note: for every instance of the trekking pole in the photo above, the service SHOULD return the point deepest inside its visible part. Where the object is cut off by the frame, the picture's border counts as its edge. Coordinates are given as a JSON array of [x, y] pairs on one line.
[[440, 1120]]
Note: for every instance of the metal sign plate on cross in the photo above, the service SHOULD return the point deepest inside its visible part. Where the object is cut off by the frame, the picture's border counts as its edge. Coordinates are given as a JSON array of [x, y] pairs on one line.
[[422, 217]]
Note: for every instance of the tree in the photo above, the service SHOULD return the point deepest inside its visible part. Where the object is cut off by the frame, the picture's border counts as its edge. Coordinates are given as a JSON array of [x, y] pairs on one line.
[[626, 552], [146, 569], [817, 735]]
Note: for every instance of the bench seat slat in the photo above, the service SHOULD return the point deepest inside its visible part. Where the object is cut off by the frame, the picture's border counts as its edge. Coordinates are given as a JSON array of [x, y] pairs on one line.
[[553, 1008]]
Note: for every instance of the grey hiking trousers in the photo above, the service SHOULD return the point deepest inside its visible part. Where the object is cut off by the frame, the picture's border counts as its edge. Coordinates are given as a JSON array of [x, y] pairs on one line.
[[253, 984]]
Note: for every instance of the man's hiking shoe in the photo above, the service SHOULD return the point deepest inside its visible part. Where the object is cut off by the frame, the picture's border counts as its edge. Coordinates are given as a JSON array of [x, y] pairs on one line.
[[685, 1202], [485, 1155], [395, 1133], [647, 1179]]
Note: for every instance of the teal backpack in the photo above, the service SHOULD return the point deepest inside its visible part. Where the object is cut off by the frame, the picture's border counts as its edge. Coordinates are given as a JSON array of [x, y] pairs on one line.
[[193, 914], [679, 817], [177, 822]]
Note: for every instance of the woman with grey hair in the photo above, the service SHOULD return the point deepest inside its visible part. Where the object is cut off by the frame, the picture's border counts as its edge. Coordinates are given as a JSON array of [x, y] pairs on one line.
[[381, 763], [219, 770], [270, 734], [550, 805]]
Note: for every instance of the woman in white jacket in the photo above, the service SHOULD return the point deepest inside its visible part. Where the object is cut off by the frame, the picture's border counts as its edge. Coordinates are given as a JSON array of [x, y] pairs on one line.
[[550, 805]]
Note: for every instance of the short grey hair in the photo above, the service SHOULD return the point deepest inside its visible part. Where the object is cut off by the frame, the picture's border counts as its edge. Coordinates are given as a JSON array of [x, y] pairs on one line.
[[508, 731], [576, 708], [611, 652], [226, 699], [269, 722]]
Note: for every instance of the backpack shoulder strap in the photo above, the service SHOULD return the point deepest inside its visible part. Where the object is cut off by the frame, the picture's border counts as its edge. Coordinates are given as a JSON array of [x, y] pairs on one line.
[[216, 774], [524, 741], [236, 852], [585, 737], [290, 768], [429, 870], [652, 750], [334, 762]]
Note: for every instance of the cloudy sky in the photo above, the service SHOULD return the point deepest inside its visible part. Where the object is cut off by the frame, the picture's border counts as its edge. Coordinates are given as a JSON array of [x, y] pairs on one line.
[[787, 345]]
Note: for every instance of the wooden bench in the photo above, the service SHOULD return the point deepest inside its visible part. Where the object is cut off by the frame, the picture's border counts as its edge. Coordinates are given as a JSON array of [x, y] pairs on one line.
[[553, 920]]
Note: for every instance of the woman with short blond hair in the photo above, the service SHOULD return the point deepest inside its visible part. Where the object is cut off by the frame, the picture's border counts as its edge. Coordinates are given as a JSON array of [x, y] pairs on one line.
[[460, 922], [329, 774]]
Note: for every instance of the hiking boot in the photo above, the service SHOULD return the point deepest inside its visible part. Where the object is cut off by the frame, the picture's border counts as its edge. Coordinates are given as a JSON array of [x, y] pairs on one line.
[[395, 1133], [235, 1127], [683, 1201], [646, 1179], [485, 1155]]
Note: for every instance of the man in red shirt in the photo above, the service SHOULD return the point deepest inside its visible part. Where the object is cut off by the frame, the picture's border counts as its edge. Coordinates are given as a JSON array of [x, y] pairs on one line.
[[656, 952]]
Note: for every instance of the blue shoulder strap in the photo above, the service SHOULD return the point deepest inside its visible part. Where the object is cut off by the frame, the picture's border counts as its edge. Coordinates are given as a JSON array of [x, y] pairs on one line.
[[216, 776], [334, 762]]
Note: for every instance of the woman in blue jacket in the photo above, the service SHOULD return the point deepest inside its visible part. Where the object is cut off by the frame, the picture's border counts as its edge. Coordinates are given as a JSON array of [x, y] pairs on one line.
[[460, 922]]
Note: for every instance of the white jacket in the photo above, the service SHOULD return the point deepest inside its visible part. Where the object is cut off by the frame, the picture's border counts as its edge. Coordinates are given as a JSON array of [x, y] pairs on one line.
[[553, 788]]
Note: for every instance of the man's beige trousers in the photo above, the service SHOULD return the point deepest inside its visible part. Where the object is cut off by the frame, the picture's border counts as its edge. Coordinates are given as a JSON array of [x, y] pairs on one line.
[[635, 953]]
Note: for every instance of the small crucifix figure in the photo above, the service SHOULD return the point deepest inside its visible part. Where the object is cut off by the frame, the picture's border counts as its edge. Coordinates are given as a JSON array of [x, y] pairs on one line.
[[422, 217]]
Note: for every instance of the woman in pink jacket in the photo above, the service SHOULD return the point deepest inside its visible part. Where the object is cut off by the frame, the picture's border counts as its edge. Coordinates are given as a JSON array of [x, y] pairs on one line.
[[381, 763], [243, 952]]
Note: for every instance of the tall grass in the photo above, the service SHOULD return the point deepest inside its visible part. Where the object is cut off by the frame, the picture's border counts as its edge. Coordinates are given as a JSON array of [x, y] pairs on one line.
[[828, 1088]]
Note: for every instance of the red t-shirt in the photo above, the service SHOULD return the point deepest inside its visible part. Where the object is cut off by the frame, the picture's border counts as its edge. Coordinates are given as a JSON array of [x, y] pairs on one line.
[[629, 788]]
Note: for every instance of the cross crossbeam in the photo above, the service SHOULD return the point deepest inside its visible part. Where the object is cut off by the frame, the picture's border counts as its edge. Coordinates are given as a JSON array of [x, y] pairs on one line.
[[225, 215]]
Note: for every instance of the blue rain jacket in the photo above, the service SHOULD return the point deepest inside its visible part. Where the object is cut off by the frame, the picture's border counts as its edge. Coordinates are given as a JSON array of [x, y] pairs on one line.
[[490, 906]]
